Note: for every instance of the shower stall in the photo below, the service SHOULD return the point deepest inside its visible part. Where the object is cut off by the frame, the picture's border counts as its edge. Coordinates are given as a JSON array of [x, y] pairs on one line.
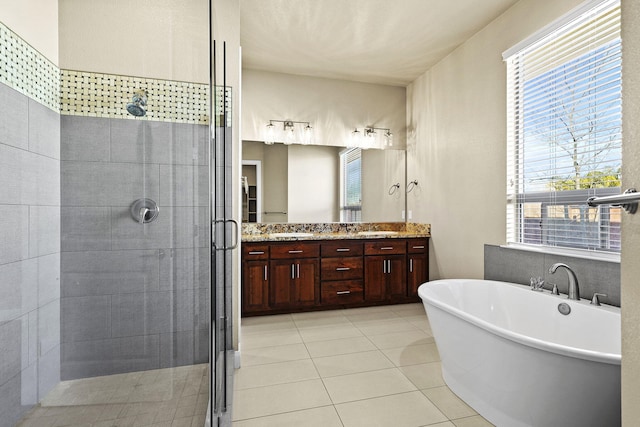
[[129, 219]]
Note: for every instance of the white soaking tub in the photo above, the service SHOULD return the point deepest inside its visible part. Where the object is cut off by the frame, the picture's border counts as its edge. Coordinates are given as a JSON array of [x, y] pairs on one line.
[[512, 356]]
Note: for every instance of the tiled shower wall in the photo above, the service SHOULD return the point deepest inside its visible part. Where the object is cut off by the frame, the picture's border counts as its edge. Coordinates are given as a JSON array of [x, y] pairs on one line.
[[134, 296], [29, 252]]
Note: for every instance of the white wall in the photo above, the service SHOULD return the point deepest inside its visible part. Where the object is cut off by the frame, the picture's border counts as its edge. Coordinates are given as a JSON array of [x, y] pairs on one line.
[[456, 119], [36, 22], [313, 193], [163, 39], [630, 269], [334, 107]]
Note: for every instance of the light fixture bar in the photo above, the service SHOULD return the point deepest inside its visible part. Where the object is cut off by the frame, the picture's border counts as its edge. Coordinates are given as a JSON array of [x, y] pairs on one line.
[[288, 132]]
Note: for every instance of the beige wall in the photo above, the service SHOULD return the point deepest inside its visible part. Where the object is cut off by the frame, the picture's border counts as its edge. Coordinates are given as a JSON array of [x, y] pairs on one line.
[[631, 223], [334, 107], [457, 141], [163, 39], [313, 194], [380, 170], [35, 21]]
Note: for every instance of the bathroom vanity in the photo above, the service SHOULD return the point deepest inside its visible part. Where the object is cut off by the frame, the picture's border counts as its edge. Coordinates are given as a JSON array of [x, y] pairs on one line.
[[296, 272]]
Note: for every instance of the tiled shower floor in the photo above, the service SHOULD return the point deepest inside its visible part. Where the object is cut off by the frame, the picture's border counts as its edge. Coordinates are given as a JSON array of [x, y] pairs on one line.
[[174, 397], [366, 367]]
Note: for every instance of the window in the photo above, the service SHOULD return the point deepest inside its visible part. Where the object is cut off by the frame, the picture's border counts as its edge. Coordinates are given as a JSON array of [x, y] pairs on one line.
[[351, 185], [564, 118]]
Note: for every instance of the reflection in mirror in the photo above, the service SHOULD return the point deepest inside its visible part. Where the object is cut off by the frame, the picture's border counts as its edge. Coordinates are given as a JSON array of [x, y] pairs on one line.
[[301, 183]]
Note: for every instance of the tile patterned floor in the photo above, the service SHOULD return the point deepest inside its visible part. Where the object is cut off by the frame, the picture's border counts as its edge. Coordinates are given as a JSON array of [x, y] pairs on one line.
[[376, 366], [174, 397]]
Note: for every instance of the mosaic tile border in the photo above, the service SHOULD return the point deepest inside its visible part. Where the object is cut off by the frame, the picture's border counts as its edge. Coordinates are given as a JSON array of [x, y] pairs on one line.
[[26, 70]]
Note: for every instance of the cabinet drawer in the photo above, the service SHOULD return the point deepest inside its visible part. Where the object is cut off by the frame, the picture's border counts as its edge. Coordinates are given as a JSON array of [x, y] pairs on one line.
[[295, 250], [255, 252], [343, 292], [346, 249], [417, 246], [341, 268], [386, 247]]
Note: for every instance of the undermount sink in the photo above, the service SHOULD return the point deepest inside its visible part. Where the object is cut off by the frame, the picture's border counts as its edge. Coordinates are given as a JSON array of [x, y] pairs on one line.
[[377, 233], [292, 234]]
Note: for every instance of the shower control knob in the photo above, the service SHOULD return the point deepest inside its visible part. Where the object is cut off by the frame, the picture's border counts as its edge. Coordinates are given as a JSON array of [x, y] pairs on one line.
[[144, 211]]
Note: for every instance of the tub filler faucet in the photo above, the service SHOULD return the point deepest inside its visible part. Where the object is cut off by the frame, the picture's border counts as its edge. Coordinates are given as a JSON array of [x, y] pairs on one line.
[[574, 289]]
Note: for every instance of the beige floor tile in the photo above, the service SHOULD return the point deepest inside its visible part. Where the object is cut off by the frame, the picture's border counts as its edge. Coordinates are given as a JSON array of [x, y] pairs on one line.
[[351, 363], [401, 339], [266, 355], [425, 375], [274, 373], [340, 346], [413, 309], [327, 333], [413, 355], [444, 424], [261, 324], [450, 404], [325, 416], [475, 421], [372, 316], [270, 339], [276, 399], [38, 422], [366, 385], [398, 410], [317, 314], [314, 322], [385, 327]]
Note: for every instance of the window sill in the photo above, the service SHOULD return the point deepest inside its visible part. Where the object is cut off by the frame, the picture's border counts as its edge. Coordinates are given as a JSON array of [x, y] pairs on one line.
[[576, 253]]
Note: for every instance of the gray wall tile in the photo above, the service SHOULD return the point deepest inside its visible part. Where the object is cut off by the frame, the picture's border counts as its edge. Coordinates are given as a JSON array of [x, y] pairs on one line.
[[30, 351], [44, 130], [184, 185], [141, 141], [85, 318], [83, 359], [29, 385], [86, 229], [12, 408], [48, 278], [18, 289], [514, 265], [28, 178], [14, 233], [11, 337], [108, 184], [109, 272], [14, 126], [44, 230], [143, 313], [184, 269], [184, 348], [84, 138]]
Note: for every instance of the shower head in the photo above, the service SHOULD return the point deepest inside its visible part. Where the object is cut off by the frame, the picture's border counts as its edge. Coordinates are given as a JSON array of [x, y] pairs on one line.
[[137, 104]]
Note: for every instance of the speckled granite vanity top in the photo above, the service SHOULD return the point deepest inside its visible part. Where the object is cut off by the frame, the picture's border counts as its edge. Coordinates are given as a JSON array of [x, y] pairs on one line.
[[263, 232]]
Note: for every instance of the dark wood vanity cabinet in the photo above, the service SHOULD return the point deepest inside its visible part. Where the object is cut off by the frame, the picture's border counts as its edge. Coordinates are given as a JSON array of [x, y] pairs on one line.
[[280, 277], [294, 275]]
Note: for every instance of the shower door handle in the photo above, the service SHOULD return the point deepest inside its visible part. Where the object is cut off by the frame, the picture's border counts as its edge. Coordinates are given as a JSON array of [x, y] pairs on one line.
[[224, 244]]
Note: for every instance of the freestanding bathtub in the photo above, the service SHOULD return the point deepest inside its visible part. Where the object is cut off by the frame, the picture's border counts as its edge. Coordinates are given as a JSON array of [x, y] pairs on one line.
[[512, 356]]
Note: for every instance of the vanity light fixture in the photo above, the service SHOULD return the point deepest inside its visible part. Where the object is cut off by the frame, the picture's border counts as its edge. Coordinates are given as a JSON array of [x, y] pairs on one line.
[[369, 137], [289, 133]]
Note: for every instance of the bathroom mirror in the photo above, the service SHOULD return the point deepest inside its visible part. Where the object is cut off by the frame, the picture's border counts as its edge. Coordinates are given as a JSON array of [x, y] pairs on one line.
[[301, 183]]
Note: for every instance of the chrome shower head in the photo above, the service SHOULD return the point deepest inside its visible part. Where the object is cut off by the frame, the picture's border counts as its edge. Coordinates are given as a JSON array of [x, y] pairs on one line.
[[137, 105]]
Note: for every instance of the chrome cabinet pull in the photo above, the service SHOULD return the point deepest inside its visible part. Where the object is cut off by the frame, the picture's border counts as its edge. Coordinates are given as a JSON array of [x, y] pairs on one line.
[[410, 265], [343, 269], [418, 247], [298, 270], [343, 292], [265, 273], [343, 250], [295, 252], [384, 266], [389, 268], [256, 253], [293, 271], [386, 248]]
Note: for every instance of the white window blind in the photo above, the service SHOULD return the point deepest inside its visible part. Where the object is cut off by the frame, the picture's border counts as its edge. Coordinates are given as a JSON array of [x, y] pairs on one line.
[[564, 119], [351, 183]]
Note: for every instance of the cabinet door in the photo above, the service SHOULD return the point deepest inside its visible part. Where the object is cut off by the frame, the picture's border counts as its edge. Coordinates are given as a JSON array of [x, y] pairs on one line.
[[396, 277], [280, 283], [255, 286], [375, 278], [305, 283], [417, 273]]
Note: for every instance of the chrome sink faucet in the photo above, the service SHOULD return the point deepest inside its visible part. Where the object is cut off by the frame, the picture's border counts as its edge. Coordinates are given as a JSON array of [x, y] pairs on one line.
[[574, 289]]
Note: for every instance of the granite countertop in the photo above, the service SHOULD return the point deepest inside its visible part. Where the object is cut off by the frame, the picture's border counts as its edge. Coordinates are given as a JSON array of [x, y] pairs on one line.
[[332, 231]]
